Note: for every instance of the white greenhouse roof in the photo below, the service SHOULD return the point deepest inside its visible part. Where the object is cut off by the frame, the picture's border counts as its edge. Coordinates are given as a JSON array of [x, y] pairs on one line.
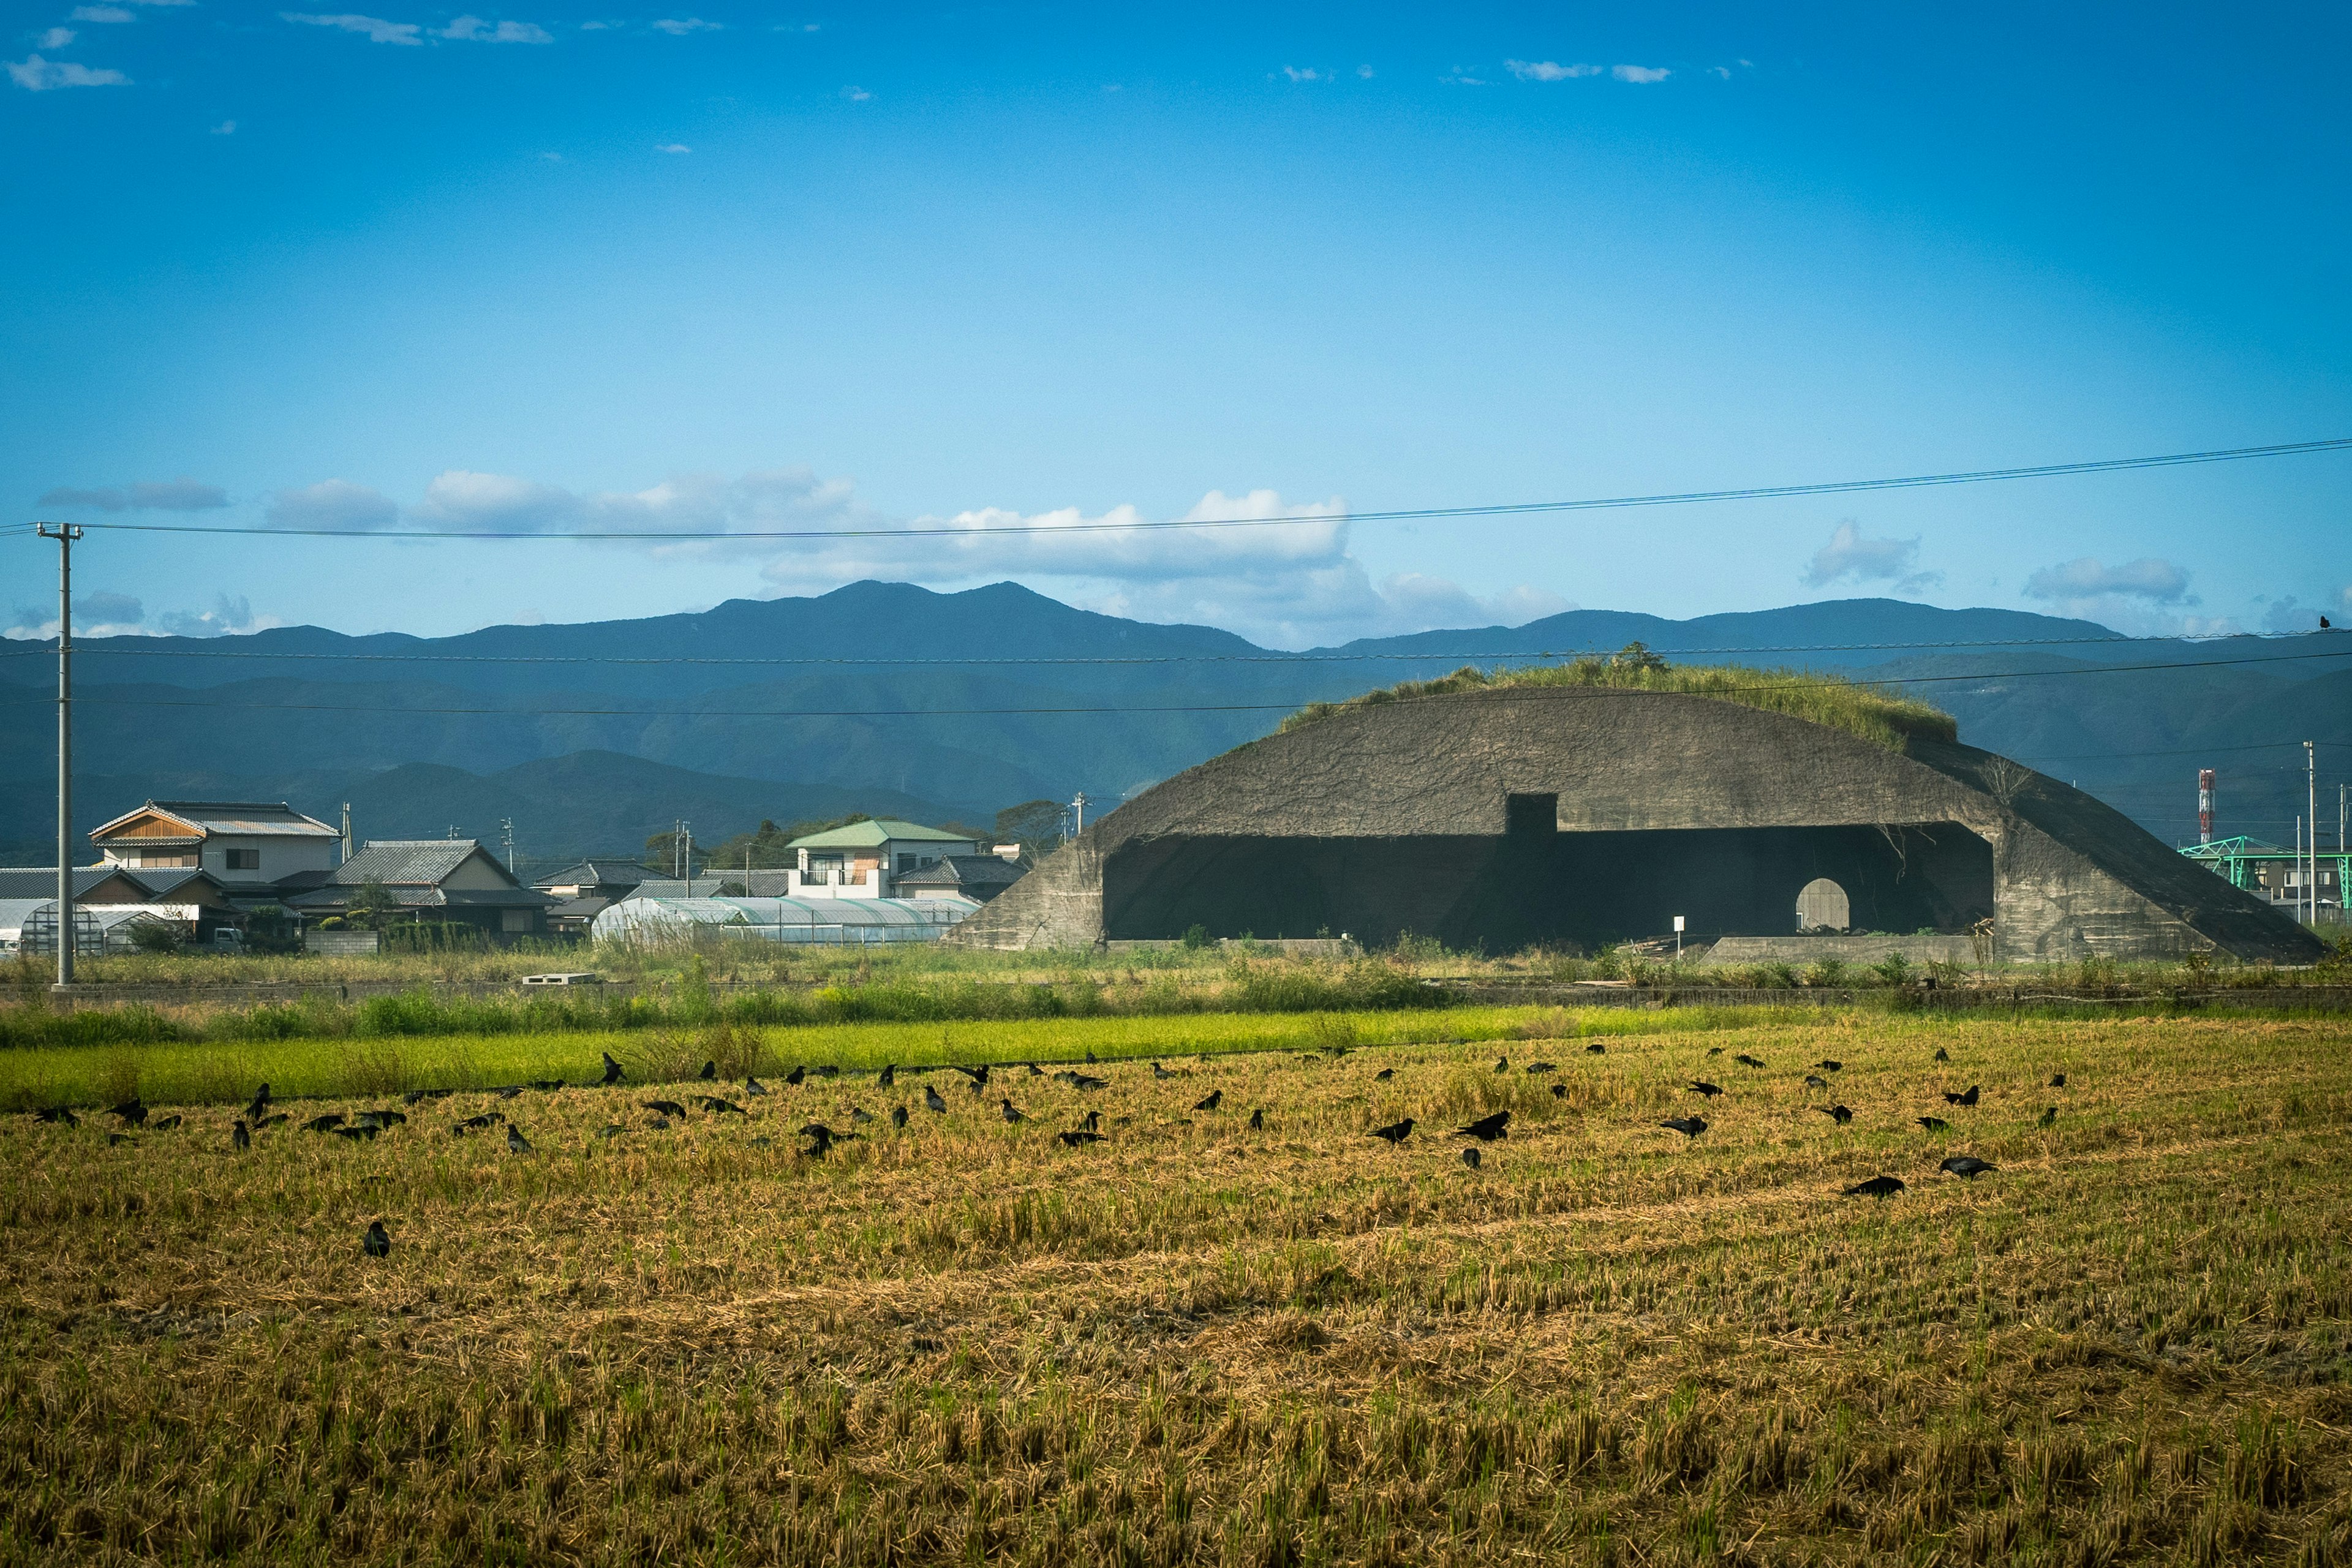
[[789, 919]]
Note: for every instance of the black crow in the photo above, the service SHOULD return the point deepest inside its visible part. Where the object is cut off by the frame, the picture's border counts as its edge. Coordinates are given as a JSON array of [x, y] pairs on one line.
[[260, 1106], [1744, 1060], [974, 1087], [1090, 1056], [274, 1119], [752, 1086], [1034, 1070], [333, 1119], [1257, 1121], [1700, 1086], [239, 1136], [384, 1118], [1934, 1123], [129, 1113], [658, 1124], [1010, 1114], [889, 1075], [1502, 1064], [709, 1071], [859, 1113], [794, 1077], [377, 1242], [719, 1106], [1942, 1054], [1968, 1165], [1596, 1049], [2058, 1080], [665, 1107], [1092, 1119], [1487, 1129], [166, 1126], [1384, 1075], [510, 1091], [1877, 1187], [1079, 1139], [1688, 1126], [1470, 1157], [1087, 1080], [931, 1098], [515, 1142], [978, 1075], [1837, 1113], [353, 1134], [59, 1115], [827, 1070], [611, 1070], [823, 1138], [1815, 1081], [2049, 1118], [897, 1116], [1542, 1067], [1715, 1050], [1396, 1132], [1160, 1072], [1967, 1099], [1829, 1064], [1211, 1100], [1560, 1092]]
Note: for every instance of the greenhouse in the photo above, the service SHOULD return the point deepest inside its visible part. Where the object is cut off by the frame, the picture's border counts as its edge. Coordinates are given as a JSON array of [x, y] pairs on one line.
[[851, 922]]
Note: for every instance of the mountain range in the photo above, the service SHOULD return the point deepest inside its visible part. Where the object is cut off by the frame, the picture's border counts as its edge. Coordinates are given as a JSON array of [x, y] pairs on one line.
[[891, 698]]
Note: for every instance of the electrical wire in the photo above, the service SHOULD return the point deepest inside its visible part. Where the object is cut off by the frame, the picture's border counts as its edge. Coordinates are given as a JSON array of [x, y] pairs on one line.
[[1409, 514], [1505, 694]]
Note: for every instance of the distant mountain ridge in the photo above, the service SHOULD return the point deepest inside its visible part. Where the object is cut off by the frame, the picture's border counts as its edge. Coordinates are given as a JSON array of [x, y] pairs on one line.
[[957, 704]]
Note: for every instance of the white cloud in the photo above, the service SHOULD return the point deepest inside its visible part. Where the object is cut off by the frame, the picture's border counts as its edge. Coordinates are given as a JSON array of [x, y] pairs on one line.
[[1640, 74], [1418, 602], [856, 94], [228, 614], [595, 26], [2083, 578], [1721, 73], [56, 37], [473, 29], [1363, 73], [336, 504], [225, 128], [672, 147], [35, 74], [374, 28], [1461, 77], [1849, 557], [679, 28], [182, 494], [1548, 70], [99, 13], [1307, 73]]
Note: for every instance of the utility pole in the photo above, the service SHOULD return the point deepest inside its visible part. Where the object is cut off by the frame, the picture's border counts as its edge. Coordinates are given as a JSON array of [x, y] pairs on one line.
[[2311, 784], [347, 830], [506, 836], [1078, 803], [65, 533]]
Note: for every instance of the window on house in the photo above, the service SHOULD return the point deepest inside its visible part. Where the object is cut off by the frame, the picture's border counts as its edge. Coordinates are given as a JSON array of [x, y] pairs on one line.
[[245, 859]]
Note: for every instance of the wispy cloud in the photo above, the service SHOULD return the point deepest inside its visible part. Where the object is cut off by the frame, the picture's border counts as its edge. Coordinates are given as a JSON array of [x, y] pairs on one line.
[[230, 613], [1640, 74], [376, 29], [1306, 73], [856, 94], [679, 26], [1548, 70], [101, 15], [334, 504], [56, 37], [225, 128], [1849, 557], [473, 29], [673, 147], [35, 74], [166, 495], [2085, 578]]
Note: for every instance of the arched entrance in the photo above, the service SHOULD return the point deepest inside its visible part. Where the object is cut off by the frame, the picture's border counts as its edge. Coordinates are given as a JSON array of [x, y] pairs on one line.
[[1821, 905]]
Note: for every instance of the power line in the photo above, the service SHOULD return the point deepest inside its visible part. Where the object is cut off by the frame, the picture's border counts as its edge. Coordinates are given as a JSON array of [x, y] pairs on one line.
[[1507, 693], [1509, 508], [45, 649]]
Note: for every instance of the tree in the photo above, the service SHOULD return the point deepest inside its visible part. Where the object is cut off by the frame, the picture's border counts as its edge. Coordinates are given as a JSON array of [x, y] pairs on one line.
[[1035, 825], [374, 907], [1636, 657]]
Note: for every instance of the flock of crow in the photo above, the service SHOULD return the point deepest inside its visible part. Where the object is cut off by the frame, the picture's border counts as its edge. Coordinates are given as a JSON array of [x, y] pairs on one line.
[[662, 1114]]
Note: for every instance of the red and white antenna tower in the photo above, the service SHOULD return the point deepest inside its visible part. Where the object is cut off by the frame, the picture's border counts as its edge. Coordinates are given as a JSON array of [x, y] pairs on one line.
[[2205, 806]]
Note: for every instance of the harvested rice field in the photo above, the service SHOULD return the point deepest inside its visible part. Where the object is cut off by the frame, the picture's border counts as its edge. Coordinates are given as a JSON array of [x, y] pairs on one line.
[[1239, 1328]]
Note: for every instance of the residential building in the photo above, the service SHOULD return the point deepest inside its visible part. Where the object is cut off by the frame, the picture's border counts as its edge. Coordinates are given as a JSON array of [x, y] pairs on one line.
[[204, 904], [2283, 876], [248, 847], [865, 859], [979, 877], [453, 880]]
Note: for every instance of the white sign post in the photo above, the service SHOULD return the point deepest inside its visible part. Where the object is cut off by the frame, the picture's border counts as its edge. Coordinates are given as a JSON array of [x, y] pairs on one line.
[[1678, 936]]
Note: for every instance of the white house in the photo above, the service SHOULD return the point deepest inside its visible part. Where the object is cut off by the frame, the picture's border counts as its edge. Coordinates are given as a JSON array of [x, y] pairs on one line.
[[865, 859], [247, 846]]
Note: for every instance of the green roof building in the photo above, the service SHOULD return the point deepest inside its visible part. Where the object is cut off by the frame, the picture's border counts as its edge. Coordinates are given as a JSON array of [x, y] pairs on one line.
[[865, 859]]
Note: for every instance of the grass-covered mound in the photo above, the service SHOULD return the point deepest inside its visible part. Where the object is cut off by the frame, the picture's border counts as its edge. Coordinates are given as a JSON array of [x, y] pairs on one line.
[[1869, 712]]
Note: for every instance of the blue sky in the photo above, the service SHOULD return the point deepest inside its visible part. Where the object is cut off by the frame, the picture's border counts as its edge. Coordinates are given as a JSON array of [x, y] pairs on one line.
[[756, 264]]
